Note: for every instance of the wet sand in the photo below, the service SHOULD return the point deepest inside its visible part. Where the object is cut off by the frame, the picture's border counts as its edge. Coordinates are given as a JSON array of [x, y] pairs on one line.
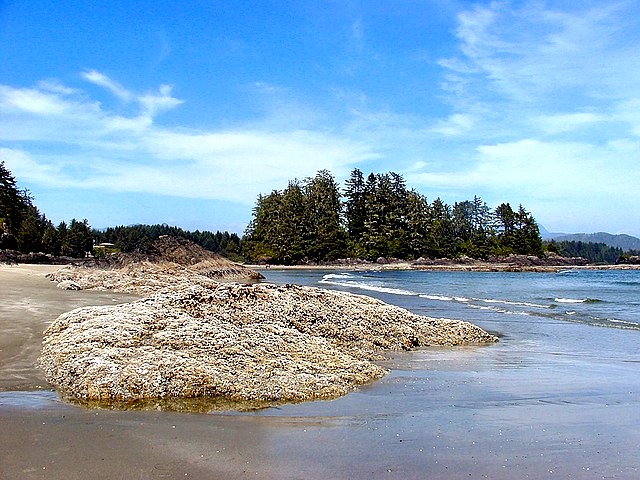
[[467, 412], [29, 302]]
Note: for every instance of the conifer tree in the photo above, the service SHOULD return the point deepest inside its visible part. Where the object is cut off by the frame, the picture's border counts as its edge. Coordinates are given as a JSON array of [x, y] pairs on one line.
[[324, 208]]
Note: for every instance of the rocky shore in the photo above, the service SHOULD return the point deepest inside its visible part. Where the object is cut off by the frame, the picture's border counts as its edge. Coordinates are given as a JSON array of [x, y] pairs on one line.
[[550, 262], [193, 336]]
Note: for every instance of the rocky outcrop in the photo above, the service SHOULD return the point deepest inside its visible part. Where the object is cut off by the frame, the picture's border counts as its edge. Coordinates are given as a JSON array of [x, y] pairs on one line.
[[245, 342], [146, 277], [628, 260], [196, 337], [508, 263], [169, 261]]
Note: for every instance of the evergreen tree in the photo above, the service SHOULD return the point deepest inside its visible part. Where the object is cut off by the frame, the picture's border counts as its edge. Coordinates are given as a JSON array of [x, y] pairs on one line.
[[381, 218], [323, 210], [440, 239], [31, 230], [417, 217], [50, 239], [294, 229], [355, 212], [505, 226], [12, 202], [262, 234], [63, 238], [79, 238], [528, 240]]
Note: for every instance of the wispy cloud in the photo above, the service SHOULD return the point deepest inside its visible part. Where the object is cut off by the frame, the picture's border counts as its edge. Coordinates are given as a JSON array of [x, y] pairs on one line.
[[101, 150], [527, 54], [104, 81]]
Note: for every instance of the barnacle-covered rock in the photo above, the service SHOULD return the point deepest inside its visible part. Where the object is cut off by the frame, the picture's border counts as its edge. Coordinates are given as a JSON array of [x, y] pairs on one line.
[[244, 342]]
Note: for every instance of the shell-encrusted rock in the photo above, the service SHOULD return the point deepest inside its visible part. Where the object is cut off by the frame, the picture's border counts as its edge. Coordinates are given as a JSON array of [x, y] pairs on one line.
[[69, 285], [245, 342]]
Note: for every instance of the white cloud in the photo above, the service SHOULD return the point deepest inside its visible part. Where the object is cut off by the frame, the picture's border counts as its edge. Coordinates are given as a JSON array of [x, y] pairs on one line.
[[33, 101], [151, 103], [567, 122], [156, 103], [92, 148], [455, 124], [552, 94], [518, 62], [525, 54], [628, 111], [578, 185], [23, 165]]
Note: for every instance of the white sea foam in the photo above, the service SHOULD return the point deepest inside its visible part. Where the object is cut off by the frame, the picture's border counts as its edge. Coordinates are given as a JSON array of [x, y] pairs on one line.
[[571, 300], [443, 298], [337, 275], [366, 286], [518, 304]]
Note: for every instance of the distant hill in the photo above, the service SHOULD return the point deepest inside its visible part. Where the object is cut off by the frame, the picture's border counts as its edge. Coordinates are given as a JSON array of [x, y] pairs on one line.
[[547, 235], [625, 242]]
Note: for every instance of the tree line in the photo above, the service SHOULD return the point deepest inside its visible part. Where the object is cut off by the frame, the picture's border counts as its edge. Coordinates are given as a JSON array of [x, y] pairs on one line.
[[378, 216], [25, 229], [314, 220], [598, 253]]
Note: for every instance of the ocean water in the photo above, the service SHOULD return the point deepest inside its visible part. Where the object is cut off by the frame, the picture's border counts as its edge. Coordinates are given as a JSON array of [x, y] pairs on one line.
[[604, 298], [557, 397], [580, 315]]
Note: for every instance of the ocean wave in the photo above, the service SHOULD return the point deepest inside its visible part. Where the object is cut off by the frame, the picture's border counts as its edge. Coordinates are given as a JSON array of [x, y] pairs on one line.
[[337, 275], [368, 287], [349, 280], [609, 322], [563, 305], [567, 272], [577, 300]]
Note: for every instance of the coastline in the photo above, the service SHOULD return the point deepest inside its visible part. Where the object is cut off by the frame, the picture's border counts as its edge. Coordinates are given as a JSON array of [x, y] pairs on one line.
[[453, 267]]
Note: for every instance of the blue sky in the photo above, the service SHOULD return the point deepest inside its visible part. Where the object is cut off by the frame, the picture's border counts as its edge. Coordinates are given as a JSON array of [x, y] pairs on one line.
[[183, 112]]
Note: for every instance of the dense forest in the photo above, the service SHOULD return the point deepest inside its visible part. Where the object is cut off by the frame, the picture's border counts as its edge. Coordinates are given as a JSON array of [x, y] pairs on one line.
[[313, 221], [378, 216]]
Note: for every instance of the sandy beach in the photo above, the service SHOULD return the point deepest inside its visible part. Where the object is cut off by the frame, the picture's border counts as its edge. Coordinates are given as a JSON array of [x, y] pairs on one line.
[[457, 412]]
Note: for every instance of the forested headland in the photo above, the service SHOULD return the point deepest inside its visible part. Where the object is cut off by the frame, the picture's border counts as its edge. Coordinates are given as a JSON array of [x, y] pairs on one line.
[[379, 216], [25, 229], [593, 252]]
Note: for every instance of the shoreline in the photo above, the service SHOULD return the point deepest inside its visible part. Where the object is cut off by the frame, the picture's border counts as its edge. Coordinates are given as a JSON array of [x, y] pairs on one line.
[[477, 267]]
